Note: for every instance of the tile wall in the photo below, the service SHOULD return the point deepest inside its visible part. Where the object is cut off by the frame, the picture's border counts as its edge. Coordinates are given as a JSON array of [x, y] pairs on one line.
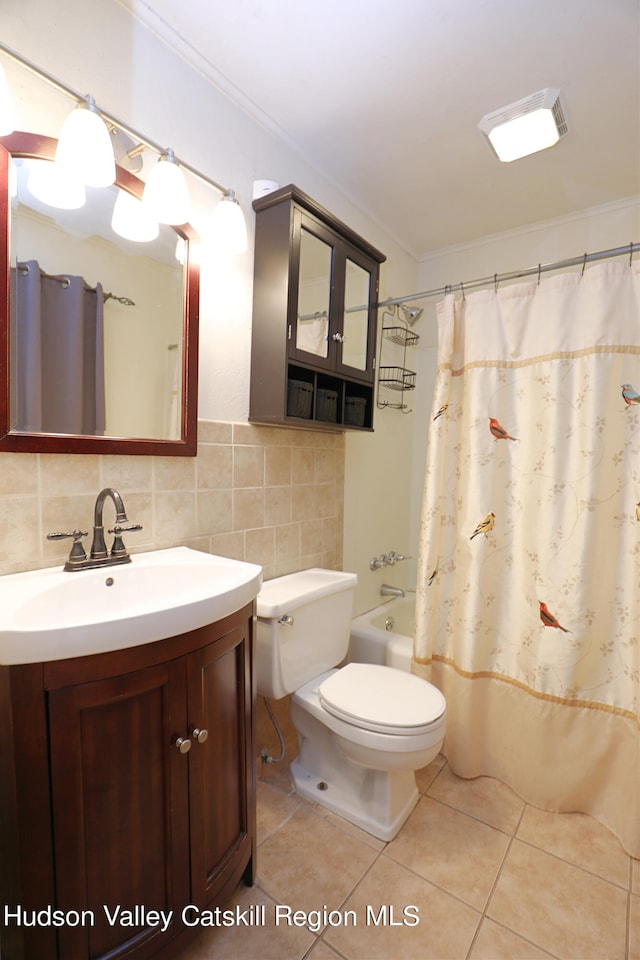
[[268, 495]]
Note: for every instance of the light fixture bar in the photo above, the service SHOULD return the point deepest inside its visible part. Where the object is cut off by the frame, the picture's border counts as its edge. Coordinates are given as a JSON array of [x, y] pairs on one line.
[[108, 117]]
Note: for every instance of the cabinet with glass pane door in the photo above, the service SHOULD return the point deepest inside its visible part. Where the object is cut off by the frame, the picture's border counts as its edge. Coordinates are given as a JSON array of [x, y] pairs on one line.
[[314, 317]]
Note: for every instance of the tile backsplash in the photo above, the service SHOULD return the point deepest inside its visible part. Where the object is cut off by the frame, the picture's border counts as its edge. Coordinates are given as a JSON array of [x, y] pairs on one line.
[[268, 495]]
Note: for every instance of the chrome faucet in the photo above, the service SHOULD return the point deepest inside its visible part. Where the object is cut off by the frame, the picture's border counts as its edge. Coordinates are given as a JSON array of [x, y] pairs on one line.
[[386, 590], [98, 556]]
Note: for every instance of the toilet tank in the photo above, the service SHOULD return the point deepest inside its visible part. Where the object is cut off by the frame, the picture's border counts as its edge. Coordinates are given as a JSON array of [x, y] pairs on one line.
[[302, 629]]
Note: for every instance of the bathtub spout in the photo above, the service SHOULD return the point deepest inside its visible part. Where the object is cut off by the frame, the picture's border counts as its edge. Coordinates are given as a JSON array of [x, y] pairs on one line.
[[388, 591]]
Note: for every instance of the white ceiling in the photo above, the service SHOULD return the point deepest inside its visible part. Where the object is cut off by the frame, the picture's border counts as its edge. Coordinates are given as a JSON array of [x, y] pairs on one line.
[[384, 98]]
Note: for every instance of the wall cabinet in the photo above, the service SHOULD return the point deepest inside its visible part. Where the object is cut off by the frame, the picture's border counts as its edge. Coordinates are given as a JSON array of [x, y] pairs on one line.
[[128, 793], [314, 316]]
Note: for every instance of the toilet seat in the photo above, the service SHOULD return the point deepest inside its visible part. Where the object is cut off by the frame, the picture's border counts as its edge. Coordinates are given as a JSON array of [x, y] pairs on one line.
[[381, 699]]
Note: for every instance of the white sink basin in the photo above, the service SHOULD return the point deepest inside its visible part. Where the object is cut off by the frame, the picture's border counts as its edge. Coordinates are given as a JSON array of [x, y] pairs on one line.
[[53, 615]]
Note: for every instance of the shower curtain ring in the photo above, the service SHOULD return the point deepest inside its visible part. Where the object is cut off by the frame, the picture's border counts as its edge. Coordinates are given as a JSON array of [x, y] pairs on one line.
[[631, 253], [462, 289], [539, 272], [495, 283], [584, 263]]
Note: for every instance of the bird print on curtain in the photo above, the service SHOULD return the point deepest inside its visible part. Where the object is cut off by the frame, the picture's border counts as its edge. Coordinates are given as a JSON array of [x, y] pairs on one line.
[[486, 525]]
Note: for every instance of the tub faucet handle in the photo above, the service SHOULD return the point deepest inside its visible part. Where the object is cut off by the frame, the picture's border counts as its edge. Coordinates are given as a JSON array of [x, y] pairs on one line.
[[393, 557]]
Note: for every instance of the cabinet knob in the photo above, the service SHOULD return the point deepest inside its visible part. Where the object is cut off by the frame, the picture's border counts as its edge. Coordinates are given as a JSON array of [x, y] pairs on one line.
[[200, 735], [183, 744]]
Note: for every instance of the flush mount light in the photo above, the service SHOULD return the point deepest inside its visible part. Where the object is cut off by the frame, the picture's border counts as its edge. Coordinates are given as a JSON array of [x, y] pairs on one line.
[[84, 146], [526, 126]]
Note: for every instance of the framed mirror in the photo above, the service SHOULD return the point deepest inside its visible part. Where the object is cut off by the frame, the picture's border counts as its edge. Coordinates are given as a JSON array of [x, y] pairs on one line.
[[98, 335]]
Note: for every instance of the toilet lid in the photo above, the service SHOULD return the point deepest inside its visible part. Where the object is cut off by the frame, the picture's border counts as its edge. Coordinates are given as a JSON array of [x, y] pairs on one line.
[[381, 698]]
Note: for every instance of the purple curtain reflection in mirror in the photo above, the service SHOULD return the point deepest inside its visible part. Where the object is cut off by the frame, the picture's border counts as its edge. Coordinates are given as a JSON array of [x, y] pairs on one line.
[[58, 353]]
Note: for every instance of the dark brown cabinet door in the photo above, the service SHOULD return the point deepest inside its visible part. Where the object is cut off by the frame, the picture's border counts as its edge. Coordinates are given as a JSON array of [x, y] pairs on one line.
[[119, 796], [222, 783]]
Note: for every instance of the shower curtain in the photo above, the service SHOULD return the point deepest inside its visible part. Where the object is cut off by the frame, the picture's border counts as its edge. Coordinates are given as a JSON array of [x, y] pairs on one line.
[[57, 353], [528, 593]]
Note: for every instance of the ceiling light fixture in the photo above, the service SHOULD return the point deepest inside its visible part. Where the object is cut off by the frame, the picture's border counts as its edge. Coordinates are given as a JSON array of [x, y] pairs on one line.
[[526, 126], [84, 146]]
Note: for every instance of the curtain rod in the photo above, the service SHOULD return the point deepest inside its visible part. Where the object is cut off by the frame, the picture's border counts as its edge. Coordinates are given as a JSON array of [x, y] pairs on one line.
[[107, 117], [497, 278]]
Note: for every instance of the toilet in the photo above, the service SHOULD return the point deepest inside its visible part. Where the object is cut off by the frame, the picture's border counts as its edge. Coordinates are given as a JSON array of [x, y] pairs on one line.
[[363, 728]]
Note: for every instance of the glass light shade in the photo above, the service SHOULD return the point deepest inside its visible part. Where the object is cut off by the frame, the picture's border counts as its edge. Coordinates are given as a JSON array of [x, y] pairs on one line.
[[166, 196], [51, 184], [6, 106], [524, 135], [131, 219], [84, 147], [228, 227]]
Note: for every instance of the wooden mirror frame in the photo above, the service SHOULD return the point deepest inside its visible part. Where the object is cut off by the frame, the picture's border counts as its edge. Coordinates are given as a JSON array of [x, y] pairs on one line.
[[35, 146]]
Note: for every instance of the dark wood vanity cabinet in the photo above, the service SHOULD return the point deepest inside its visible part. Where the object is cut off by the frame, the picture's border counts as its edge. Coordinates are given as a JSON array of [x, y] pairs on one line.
[[106, 815], [314, 317]]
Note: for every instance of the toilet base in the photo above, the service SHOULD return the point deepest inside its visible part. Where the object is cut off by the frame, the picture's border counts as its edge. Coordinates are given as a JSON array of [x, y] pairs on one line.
[[378, 801], [364, 808]]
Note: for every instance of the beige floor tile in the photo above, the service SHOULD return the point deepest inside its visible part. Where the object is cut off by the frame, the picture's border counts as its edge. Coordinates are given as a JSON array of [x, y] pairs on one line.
[[310, 863], [445, 930], [565, 910], [634, 928], [274, 807], [322, 951], [483, 797], [497, 943], [367, 838], [579, 839], [454, 851], [239, 942], [426, 776]]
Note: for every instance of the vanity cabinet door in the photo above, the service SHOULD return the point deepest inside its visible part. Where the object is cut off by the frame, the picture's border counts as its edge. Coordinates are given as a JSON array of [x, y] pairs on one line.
[[221, 767], [119, 797]]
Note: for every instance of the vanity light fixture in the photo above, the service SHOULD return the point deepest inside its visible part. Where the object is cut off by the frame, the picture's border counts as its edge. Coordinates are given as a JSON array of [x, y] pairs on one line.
[[228, 228], [6, 106], [84, 146], [228, 215], [534, 123], [131, 219], [166, 196]]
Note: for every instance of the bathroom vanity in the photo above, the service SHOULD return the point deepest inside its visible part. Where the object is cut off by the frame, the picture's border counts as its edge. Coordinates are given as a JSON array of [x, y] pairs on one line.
[[127, 788]]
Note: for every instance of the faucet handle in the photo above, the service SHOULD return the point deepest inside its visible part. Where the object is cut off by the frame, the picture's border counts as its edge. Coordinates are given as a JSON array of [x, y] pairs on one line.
[[393, 557], [118, 548], [77, 535], [77, 554]]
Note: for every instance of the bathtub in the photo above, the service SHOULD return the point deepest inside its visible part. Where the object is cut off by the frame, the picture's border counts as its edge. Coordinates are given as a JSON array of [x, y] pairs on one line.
[[385, 634]]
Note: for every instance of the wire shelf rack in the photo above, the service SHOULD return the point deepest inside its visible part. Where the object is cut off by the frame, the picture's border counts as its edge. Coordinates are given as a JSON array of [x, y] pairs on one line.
[[397, 378], [401, 336]]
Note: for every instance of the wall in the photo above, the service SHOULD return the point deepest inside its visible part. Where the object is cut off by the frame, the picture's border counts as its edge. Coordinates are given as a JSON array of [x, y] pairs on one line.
[[261, 494], [104, 50], [600, 228]]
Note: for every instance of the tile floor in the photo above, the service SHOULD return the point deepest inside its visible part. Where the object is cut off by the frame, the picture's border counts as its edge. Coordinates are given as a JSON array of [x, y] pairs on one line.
[[492, 877]]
